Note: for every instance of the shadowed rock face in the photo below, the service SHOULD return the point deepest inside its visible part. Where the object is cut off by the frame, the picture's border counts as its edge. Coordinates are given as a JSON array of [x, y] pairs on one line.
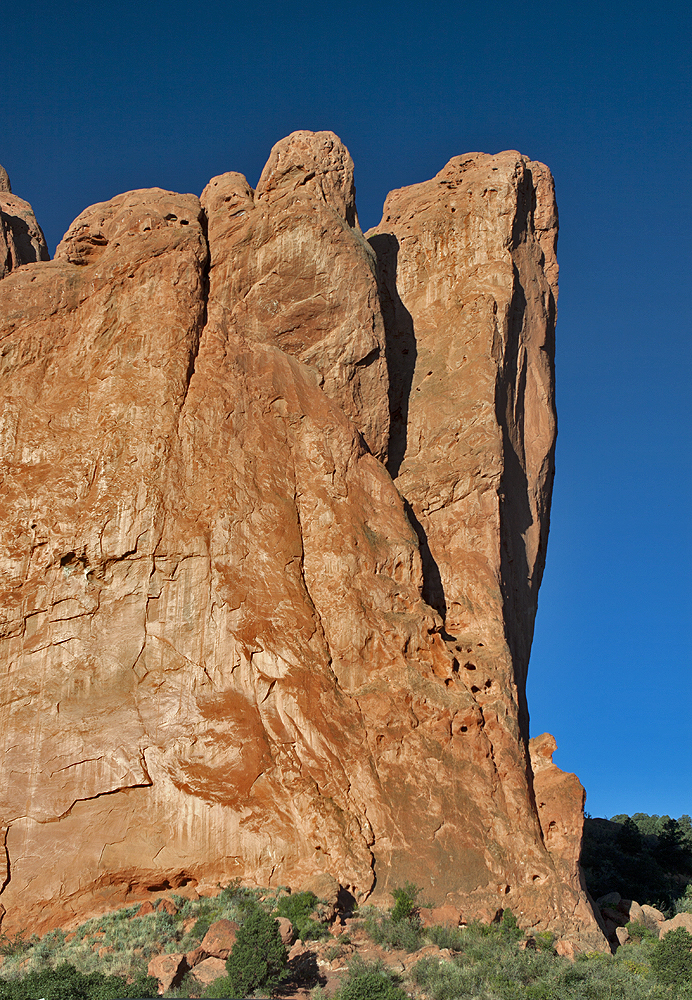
[[273, 518]]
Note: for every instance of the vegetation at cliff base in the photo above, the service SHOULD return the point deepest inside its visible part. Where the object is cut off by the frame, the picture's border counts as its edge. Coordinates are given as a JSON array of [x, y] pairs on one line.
[[66, 983], [258, 960], [497, 961]]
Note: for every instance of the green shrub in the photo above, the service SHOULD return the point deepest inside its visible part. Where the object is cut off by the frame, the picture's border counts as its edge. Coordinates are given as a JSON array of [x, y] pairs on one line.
[[406, 935], [671, 959], [66, 983], [510, 929], [446, 937], [298, 908], [640, 932], [405, 902], [370, 981], [14, 945], [545, 941], [258, 960]]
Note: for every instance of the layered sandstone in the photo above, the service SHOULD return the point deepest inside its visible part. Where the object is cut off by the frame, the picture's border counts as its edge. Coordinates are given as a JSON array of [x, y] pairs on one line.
[[21, 238], [273, 519]]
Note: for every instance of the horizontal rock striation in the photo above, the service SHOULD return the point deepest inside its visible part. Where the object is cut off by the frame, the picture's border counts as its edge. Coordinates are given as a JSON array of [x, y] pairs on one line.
[[274, 512]]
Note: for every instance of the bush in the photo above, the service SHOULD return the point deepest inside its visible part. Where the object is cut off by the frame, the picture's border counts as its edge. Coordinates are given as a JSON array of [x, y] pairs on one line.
[[370, 981], [66, 983], [640, 932], [671, 959], [406, 934], [405, 902], [510, 929], [298, 908], [446, 937], [258, 960]]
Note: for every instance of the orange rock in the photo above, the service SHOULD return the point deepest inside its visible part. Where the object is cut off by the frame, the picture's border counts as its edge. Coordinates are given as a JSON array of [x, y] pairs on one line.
[[285, 930], [273, 521], [683, 920], [219, 940], [209, 970], [168, 969], [447, 916], [167, 906], [21, 238], [146, 908], [193, 958]]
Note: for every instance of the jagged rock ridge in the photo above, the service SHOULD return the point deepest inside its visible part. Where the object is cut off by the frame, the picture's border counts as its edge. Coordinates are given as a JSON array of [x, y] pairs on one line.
[[21, 238], [275, 506]]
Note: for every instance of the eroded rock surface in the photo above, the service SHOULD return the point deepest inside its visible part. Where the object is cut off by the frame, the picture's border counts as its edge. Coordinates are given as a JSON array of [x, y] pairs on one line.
[[235, 645], [21, 238]]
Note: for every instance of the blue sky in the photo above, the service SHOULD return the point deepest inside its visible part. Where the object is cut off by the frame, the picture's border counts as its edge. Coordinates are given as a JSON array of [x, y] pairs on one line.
[[101, 98]]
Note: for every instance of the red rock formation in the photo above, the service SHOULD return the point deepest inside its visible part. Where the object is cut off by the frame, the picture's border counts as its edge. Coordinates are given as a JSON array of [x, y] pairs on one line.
[[21, 238], [224, 654]]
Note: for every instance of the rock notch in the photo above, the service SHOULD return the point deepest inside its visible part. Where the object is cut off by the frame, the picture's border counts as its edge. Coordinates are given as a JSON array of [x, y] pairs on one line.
[[274, 512]]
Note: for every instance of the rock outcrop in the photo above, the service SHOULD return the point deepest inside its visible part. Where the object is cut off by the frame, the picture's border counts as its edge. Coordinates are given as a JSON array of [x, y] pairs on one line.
[[21, 238], [274, 512]]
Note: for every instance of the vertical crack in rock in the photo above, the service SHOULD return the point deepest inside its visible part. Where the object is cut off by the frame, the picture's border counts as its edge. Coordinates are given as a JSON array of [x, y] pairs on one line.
[[8, 868]]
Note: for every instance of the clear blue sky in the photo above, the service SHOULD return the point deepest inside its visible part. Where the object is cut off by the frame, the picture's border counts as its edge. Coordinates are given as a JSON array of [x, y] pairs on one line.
[[101, 98]]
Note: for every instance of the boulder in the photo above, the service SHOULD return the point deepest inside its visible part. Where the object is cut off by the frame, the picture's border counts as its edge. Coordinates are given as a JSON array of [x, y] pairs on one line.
[[168, 969], [652, 915], [285, 930], [193, 958], [167, 906], [219, 940], [632, 911], [683, 920], [297, 950], [208, 970], [622, 935], [146, 908], [324, 886]]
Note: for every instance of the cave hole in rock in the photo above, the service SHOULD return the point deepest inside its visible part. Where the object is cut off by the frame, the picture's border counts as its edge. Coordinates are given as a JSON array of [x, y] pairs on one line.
[[71, 559], [463, 729], [455, 665], [469, 666], [474, 689], [159, 886]]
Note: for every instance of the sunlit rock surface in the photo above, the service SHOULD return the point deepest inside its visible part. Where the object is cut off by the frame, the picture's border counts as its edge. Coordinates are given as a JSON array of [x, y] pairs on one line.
[[274, 513]]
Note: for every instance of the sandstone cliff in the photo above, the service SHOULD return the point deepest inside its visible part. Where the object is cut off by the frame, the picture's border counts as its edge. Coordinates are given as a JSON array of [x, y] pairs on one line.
[[21, 238], [274, 511]]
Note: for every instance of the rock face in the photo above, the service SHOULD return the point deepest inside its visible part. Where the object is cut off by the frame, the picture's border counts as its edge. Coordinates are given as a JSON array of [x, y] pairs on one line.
[[21, 238], [274, 511]]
